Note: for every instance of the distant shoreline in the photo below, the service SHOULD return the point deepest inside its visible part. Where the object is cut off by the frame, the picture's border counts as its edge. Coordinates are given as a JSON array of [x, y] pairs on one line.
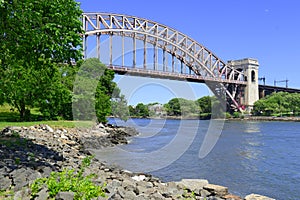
[[267, 118], [245, 118]]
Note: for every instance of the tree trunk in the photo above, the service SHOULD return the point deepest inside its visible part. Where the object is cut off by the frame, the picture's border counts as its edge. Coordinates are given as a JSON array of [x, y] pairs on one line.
[[22, 112]]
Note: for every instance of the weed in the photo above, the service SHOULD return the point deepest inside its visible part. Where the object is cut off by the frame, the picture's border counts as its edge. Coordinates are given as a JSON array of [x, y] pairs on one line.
[[189, 196], [7, 194], [17, 161], [68, 180]]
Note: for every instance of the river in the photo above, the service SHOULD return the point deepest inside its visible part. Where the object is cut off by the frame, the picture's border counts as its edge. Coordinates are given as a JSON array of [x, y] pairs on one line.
[[248, 157]]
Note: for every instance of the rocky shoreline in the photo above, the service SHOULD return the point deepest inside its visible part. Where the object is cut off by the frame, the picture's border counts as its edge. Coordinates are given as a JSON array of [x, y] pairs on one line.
[[28, 153]]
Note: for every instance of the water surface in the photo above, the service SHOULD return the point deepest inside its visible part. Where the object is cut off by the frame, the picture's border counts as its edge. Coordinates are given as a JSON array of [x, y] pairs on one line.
[[249, 157]]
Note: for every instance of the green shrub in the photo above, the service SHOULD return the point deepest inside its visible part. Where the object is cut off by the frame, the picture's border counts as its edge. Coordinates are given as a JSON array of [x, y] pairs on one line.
[[69, 180], [236, 115]]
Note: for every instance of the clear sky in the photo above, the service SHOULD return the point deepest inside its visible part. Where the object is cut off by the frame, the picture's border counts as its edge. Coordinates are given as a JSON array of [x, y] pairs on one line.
[[268, 30]]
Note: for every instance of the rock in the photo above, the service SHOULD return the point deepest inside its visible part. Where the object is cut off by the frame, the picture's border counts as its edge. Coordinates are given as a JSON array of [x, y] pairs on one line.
[[100, 125], [5, 183], [204, 193], [231, 197], [168, 191], [129, 185], [48, 128], [192, 184], [63, 136], [65, 196], [141, 190], [145, 184], [115, 197], [213, 198], [157, 196], [139, 178], [216, 189], [142, 197], [121, 191], [129, 195], [23, 194], [42, 195], [257, 197]]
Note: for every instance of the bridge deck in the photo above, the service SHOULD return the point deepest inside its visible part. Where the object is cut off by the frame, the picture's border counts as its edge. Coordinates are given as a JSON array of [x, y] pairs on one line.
[[269, 88], [168, 75]]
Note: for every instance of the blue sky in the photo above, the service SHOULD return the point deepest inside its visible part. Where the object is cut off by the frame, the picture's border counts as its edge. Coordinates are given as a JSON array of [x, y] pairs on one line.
[[268, 30]]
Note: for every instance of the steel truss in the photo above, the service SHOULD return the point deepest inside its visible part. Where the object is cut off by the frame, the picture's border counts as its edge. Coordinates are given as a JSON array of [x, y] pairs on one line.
[[198, 58]]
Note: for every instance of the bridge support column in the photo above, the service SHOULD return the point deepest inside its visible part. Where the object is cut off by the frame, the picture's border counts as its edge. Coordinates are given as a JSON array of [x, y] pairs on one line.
[[251, 92]]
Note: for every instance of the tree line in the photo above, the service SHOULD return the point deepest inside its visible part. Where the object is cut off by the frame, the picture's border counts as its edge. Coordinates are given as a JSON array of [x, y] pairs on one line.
[[278, 104], [177, 107]]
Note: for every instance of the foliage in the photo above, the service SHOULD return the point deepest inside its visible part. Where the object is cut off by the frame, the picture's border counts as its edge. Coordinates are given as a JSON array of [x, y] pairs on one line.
[[104, 92], [57, 103], [236, 114], [278, 104], [182, 107], [7, 194], [140, 110], [68, 180], [205, 104], [35, 36], [189, 195], [119, 106], [95, 92]]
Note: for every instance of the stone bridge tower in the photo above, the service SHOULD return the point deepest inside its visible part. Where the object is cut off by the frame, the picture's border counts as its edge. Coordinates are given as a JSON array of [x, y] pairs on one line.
[[251, 91]]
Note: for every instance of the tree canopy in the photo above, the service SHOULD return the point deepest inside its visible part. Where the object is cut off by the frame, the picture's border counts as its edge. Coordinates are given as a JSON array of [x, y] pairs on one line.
[[95, 95], [140, 110], [281, 103], [36, 39], [182, 107]]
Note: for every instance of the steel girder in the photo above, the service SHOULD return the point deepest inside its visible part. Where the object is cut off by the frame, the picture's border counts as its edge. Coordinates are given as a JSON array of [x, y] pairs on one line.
[[194, 55]]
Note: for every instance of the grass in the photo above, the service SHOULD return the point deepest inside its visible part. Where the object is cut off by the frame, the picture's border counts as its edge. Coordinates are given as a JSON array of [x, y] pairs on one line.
[[54, 124], [8, 114], [9, 117]]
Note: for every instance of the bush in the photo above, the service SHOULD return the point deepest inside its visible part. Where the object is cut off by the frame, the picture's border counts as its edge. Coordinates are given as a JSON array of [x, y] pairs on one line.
[[68, 180], [236, 115]]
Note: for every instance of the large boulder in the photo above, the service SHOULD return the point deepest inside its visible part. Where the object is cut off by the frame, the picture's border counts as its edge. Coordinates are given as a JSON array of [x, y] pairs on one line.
[[192, 184], [217, 190], [257, 197]]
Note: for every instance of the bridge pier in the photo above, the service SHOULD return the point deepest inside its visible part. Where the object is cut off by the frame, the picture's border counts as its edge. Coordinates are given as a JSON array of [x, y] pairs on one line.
[[251, 92]]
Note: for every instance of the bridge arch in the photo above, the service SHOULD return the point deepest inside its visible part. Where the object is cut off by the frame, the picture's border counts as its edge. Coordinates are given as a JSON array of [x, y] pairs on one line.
[[195, 56]]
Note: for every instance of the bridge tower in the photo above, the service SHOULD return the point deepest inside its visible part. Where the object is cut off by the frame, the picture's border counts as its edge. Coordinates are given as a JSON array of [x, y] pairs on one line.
[[251, 91]]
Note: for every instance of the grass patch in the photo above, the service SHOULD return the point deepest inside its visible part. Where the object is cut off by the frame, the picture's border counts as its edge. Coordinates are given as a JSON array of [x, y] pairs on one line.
[[9, 117], [9, 114], [6, 194], [54, 124]]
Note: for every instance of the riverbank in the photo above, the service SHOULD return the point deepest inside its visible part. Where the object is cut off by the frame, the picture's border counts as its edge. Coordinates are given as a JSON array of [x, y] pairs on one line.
[[28, 153], [267, 118]]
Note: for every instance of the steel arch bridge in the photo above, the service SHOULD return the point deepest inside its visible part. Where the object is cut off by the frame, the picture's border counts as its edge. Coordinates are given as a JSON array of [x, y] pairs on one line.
[[203, 65]]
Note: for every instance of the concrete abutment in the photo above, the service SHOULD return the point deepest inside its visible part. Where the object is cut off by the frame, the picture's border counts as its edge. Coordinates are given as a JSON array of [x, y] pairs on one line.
[[251, 92]]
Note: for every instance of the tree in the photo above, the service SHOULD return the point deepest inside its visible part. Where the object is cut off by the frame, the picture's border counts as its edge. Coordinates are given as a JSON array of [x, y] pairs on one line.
[[205, 104], [173, 107], [95, 93], [131, 110], [57, 103], [141, 110], [281, 103], [182, 107], [35, 38], [120, 108]]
